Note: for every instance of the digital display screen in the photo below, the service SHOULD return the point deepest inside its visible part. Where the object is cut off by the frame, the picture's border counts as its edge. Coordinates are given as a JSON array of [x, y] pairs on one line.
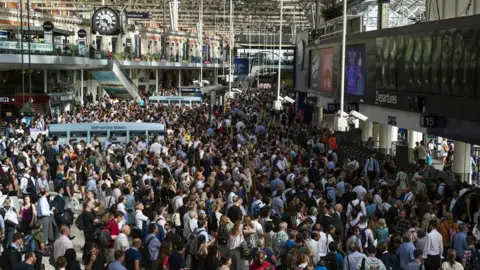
[[315, 69], [326, 67], [354, 70]]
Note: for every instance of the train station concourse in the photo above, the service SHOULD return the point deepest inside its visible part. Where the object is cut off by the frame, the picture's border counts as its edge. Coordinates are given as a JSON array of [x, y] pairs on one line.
[[239, 134]]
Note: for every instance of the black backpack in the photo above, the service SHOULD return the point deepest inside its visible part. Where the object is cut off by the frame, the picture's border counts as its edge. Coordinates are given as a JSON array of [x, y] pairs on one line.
[[192, 241], [223, 234], [330, 261], [145, 253]]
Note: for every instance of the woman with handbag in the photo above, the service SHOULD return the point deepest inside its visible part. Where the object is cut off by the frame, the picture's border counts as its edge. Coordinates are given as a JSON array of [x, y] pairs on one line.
[[237, 246]]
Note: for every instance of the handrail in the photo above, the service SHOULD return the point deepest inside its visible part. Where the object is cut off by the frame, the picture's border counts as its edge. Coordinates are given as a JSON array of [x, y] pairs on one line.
[[123, 72]]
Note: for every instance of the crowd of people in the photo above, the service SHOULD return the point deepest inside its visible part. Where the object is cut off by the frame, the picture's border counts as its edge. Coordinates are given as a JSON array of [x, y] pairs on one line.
[[244, 187]]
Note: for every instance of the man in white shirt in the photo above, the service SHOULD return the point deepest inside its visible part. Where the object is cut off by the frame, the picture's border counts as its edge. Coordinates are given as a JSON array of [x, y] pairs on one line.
[[372, 167], [432, 253], [62, 243], [354, 203], [121, 242], [422, 154], [140, 218], [360, 190], [322, 244], [156, 147]]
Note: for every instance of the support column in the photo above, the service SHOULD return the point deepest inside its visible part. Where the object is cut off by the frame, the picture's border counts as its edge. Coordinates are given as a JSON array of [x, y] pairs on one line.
[[179, 77], [81, 86], [382, 18], [213, 97], [413, 138], [367, 130], [376, 134], [461, 161], [384, 139], [45, 81], [215, 76], [156, 81]]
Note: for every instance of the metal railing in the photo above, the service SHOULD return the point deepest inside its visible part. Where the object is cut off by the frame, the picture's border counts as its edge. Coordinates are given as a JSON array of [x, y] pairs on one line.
[[135, 87]]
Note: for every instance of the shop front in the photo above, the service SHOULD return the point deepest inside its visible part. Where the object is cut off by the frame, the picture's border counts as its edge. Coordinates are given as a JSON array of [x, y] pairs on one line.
[[61, 102]]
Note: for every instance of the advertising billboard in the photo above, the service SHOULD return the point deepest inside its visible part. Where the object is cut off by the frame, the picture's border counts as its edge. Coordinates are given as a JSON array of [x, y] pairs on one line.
[[354, 70], [315, 69], [326, 70]]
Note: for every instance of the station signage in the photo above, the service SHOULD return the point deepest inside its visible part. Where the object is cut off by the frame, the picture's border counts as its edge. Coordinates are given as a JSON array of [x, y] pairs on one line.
[[137, 15], [64, 97], [6, 99], [82, 33], [103, 127], [395, 100], [432, 121], [335, 107]]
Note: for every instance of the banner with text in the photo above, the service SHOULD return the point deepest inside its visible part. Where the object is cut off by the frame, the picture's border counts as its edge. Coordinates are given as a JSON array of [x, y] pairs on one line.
[[241, 66]]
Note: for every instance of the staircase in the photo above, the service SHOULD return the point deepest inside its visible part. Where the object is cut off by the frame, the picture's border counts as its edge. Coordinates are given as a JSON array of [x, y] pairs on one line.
[[115, 82]]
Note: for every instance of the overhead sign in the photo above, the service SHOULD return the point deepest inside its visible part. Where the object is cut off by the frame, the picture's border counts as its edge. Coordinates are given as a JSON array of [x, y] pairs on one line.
[[396, 100], [432, 121], [13, 45], [63, 97], [241, 65], [392, 120], [137, 15], [353, 106], [333, 108], [102, 127]]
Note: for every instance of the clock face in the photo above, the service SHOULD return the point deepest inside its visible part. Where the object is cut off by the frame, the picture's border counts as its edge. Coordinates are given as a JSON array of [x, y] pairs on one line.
[[106, 21]]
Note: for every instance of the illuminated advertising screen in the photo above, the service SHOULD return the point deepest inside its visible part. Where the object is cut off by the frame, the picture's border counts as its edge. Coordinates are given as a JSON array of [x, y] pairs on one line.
[[326, 67], [354, 70], [315, 69]]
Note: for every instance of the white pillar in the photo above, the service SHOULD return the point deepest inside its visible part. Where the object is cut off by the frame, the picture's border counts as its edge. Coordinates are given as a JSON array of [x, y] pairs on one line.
[[376, 133], [367, 130], [413, 137], [393, 133], [461, 161], [383, 137], [81, 86], [179, 77], [156, 80], [45, 81]]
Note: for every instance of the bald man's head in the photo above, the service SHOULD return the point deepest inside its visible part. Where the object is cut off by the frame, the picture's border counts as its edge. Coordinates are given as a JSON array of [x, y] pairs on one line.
[[137, 242]]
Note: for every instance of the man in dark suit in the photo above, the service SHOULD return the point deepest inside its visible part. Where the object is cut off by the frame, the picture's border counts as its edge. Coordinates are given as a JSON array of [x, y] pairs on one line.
[[170, 236], [337, 221], [13, 253], [59, 203]]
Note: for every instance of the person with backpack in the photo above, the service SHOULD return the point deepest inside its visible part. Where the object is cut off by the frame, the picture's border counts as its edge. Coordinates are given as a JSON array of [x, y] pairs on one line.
[[113, 230], [371, 262], [150, 248], [366, 234], [406, 250], [471, 256]]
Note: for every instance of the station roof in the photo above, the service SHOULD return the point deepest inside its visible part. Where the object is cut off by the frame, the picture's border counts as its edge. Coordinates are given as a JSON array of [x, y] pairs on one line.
[[254, 14]]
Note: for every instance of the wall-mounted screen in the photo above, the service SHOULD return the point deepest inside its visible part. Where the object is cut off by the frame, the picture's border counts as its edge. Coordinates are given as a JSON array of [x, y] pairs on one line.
[[326, 67], [315, 69], [354, 70]]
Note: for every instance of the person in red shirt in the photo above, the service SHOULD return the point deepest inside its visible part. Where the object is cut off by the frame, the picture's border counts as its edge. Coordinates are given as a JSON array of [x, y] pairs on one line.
[[260, 263], [112, 227]]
